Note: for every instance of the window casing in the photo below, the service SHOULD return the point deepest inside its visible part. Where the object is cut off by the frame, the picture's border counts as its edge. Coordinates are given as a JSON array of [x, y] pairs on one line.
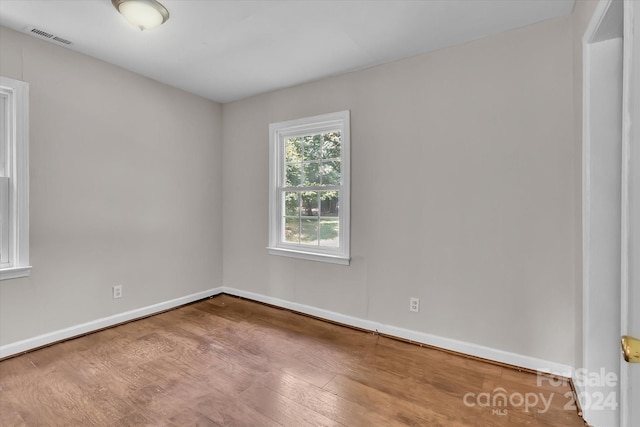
[[309, 188], [14, 179]]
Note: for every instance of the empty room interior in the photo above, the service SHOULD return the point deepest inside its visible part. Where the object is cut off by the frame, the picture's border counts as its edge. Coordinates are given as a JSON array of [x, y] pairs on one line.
[[288, 213]]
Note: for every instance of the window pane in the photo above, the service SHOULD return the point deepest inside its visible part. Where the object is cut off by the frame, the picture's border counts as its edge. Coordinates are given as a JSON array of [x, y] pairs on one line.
[[293, 175], [4, 220], [331, 145], [331, 172], [312, 147], [4, 134], [291, 204], [293, 150], [311, 174], [329, 232], [292, 230], [309, 203], [329, 203], [309, 234]]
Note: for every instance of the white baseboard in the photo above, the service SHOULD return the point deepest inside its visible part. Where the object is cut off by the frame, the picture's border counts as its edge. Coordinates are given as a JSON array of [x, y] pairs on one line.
[[94, 325], [580, 394], [471, 349]]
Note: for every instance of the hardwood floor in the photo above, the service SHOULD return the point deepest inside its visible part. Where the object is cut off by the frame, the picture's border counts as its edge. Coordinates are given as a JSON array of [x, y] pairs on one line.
[[231, 362]]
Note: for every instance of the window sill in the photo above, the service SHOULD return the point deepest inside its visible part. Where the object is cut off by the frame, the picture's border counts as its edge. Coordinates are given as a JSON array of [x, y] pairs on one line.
[[15, 272], [311, 256]]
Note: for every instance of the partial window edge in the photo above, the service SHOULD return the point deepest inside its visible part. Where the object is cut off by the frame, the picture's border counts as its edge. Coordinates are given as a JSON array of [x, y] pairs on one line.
[[19, 264], [310, 256]]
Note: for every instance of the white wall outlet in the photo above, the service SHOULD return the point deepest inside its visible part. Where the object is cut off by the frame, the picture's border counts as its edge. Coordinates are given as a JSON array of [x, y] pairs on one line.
[[117, 291], [414, 304]]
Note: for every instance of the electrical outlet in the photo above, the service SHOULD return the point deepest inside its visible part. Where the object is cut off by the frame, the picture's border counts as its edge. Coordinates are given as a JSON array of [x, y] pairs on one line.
[[117, 291], [414, 304]]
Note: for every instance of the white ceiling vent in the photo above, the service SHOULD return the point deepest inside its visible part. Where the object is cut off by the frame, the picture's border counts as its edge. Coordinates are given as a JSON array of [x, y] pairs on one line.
[[45, 35]]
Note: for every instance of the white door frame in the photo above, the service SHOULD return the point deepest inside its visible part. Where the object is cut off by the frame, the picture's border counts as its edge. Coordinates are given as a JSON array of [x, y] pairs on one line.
[[599, 317], [630, 219]]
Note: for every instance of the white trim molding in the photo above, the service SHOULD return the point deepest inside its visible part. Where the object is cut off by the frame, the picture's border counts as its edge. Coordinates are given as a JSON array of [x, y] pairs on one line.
[[15, 272], [104, 322], [281, 210], [606, 62], [15, 189], [630, 229], [475, 350]]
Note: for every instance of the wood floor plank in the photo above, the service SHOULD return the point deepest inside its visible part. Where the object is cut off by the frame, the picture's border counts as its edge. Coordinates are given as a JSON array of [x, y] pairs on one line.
[[226, 361], [230, 412], [433, 372], [326, 402], [311, 374], [404, 411], [190, 418], [283, 410], [11, 418]]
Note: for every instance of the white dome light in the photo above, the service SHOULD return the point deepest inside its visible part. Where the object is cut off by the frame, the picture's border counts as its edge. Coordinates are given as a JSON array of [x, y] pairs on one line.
[[144, 14]]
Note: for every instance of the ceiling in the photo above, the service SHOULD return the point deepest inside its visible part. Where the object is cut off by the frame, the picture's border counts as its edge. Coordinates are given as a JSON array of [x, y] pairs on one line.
[[228, 50]]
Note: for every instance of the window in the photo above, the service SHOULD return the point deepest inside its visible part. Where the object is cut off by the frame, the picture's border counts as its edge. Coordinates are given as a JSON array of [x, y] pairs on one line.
[[309, 188], [14, 179]]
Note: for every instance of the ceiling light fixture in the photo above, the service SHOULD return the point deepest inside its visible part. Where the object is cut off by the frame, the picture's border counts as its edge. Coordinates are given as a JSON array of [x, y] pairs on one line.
[[144, 14]]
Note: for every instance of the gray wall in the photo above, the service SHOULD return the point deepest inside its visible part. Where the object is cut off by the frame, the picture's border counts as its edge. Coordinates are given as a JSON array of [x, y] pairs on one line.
[[126, 183], [463, 194]]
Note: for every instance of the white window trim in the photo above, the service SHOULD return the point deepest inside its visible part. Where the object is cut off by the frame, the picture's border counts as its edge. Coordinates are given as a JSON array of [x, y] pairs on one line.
[[277, 133], [18, 164]]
